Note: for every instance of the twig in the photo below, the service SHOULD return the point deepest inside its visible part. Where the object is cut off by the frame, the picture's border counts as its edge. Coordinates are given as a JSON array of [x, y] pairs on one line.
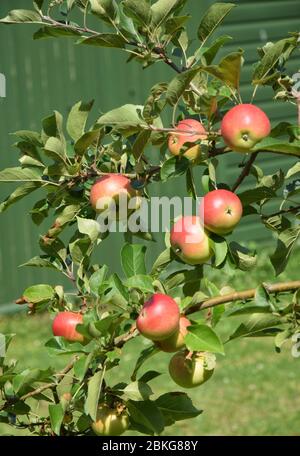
[[245, 172], [242, 295]]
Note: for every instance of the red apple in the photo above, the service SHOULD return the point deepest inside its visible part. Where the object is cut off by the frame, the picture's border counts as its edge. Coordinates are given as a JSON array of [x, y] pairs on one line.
[[176, 341], [159, 317], [109, 189], [190, 241], [177, 140], [243, 126], [190, 372], [110, 421], [221, 211], [64, 325]]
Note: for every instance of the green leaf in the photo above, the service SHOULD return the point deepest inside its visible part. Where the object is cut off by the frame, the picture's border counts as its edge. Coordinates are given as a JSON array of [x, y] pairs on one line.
[[161, 10], [228, 70], [220, 248], [242, 257], [176, 406], [55, 149], [212, 19], [174, 24], [140, 282], [127, 117], [256, 195], [93, 395], [188, 277], [89, 227], [162, 261], [173, 167], [105, 9], [18, 174], [39, 262], [256, 325], [77, 119], [203, 338], [52, 31], [149, 375], [133, 259], [137, 391], [285, 244], [139, 11], [146, 354], [278, 145], [81, 366], [22, 16], [18, 194], [39, 293], [56, 414], [293, 170], [140, 143], [179, 84], [261, 297], [85, 141], [210, 53], [97, 278], [147, 414], [111, 40], [190, 184]]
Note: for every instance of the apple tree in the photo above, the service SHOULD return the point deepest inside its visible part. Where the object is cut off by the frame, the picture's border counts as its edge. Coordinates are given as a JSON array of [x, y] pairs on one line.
[[190, 121]]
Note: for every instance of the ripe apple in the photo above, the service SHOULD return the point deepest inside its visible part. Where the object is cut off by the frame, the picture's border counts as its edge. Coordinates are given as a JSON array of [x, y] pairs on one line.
[[190, 372], [64, 324], [177, 140], [221, 210], [243, 126], [159, 317], [110, 422], [110, 189], [190, 241], [176, 341]]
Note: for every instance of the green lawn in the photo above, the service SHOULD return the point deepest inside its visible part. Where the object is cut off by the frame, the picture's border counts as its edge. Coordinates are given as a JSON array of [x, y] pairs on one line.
[[254, 390]]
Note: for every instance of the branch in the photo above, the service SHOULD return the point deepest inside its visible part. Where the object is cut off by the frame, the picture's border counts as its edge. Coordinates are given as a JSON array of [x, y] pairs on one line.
[[243, 295], [245, 172]]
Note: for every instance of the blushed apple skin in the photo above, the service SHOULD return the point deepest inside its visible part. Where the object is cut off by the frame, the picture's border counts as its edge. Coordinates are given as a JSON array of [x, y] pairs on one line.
[[176, 141], [175, 342], [190, 241], [222, 210], [243, 126], [109, 188], [109, 422], [189, 373], [64, 325], [159, 317]]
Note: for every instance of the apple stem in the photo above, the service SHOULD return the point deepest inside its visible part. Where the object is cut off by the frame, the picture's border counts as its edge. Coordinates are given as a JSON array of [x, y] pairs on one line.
[[245, 172]]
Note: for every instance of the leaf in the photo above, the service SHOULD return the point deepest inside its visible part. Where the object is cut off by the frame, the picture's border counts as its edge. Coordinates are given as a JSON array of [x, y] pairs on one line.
[[94, 390], [137, 391], [228, 70], [212, 19], [256, 195], [293, 170], [81, 366], [163, 260], [179, 84], [255, 325], [111, 40], [55, 32], [18, 174], [143, 357], [147, 414], [149, 375], [272, 56], [140, 143], [55, 149], [39, 262], [285, 244], [39, 293], [85, 141], [278, 145], [140, 282], [22, 16], [133, 259], [105, 9], [190, 184], [161, 10], [127, 117], [210, 53], [139, 10], [97, 278], [187, 277], [203, 338], [18, 194], [77, 119], [89, 227], [176, 406], [261, 297], [173, 167], [56, 414], [242, 257], [220, 248]]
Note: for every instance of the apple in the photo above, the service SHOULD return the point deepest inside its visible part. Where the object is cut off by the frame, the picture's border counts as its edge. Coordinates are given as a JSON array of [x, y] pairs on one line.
[[177, 140], [190, 241], [221, 211], [191, 372], [110, 422], [176, 341], [159, 317], [243, 126], [64, 325], [110, 189]]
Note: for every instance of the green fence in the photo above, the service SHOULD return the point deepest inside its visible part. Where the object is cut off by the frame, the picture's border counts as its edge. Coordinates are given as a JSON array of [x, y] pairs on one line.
[[54, 74]]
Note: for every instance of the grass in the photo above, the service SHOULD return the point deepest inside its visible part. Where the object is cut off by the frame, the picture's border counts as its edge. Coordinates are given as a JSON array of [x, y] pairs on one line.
[[254, 390]]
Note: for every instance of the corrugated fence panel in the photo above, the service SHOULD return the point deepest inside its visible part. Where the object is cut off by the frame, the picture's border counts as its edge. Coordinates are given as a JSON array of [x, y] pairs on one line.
[[54, 74]]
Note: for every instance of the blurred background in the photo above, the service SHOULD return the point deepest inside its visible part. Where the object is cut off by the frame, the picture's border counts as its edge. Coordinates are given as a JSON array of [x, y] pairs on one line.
[[256, 391]]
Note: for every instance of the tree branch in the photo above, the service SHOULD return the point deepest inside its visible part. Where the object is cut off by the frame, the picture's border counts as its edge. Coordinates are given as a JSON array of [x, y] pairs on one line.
[[245, 172], [245, 295]]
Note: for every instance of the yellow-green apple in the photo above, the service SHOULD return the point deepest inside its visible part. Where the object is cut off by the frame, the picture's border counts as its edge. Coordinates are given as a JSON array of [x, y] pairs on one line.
[[110, 421], [64, 325], [243, 126], [194, 132], [189, 372], [221, 211], [176, 341], [159, 317], [190, 241]]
